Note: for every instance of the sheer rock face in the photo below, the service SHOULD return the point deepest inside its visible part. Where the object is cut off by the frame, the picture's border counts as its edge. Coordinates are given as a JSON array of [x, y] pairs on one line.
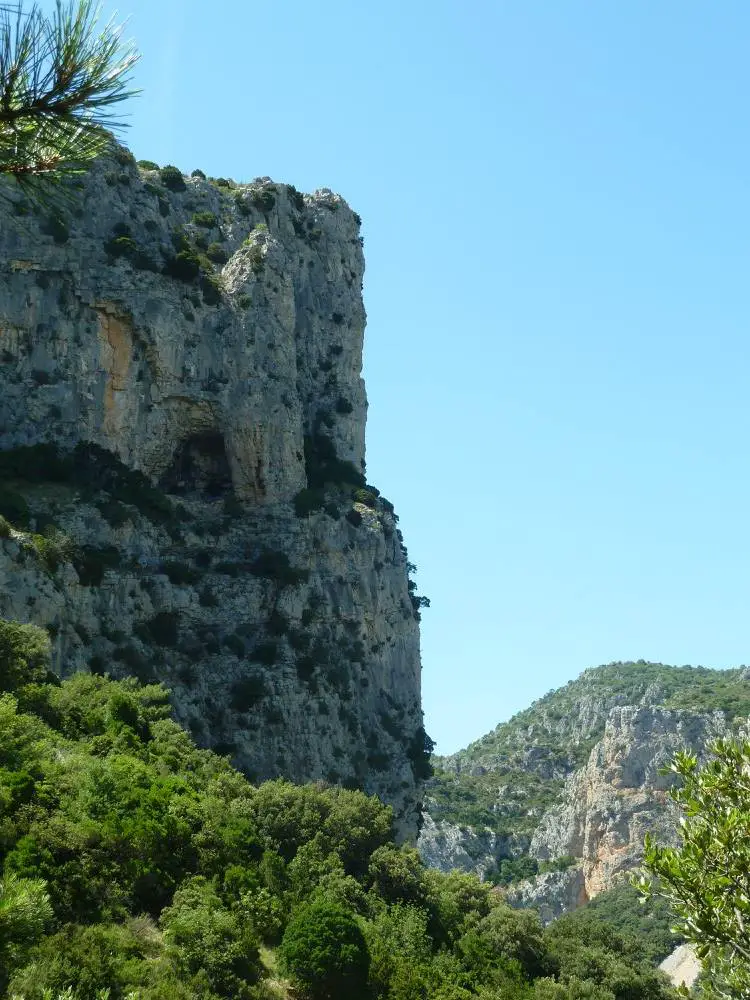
[[447, 846], [620, 795], [551, 894], [609, 805], [599, 820], [99, 345], [224, 388]]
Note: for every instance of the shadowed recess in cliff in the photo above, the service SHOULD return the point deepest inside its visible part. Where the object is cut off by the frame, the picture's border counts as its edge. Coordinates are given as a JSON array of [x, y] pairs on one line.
[[200, 465]]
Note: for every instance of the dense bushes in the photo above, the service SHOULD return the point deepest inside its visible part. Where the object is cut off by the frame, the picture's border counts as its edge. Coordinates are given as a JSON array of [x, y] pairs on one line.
[[135, 863], [87, 467]]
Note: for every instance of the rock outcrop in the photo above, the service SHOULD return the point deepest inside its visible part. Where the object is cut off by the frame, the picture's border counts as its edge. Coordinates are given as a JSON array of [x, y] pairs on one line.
[[550, 894], [182, 423], [446, 846], [621, 794], [570, 786]]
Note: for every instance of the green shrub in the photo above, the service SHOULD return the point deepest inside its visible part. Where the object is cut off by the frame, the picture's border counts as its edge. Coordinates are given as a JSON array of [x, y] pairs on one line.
[[172, 178], [247, 692], [234, 644], [368, 496], [147, 165], [88, 960], [244, 301], [207, 599], [180, 573], [210, 289], [199, 174], [263, 200], [206, 219], [184, 265], [308, 500], [297, 198], [164, 628], [92, 563], [53, 549], [209, 945], [122, 244], [216, 253], [266, 653], [322, 464], [278, 623], [114, 513], [419, 753], [24, 655], [56, 227], [4, 528], [324, 952], [276, 566]]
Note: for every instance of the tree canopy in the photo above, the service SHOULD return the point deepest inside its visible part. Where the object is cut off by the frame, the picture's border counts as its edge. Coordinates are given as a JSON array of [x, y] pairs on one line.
[[134, 863], [706, 879]]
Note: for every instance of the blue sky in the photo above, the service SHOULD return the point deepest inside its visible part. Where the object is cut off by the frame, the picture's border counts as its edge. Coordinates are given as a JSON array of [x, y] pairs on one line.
[[556, 218]]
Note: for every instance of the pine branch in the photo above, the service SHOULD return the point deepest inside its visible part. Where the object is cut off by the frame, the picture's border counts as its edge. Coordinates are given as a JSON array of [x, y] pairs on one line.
[[60, 79]]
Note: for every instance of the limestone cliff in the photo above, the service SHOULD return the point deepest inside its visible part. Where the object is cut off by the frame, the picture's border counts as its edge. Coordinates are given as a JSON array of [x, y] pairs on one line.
[[182, 423], [608, 806], [565, 791]]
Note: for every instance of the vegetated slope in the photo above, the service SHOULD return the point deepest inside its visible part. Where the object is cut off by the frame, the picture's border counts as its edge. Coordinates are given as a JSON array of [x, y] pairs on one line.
[[182, 468], [625, 911], [135, 863], [500, 786]]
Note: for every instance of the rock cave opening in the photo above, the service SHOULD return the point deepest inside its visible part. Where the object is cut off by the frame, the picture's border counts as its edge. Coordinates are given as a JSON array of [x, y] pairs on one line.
[[200, 465]]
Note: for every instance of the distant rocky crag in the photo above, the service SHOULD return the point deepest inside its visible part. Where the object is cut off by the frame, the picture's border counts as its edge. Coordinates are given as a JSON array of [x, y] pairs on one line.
[[182, 488], [554, 804]]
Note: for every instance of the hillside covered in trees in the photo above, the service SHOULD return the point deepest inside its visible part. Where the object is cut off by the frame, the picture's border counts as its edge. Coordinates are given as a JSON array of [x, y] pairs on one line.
[[136, 863]]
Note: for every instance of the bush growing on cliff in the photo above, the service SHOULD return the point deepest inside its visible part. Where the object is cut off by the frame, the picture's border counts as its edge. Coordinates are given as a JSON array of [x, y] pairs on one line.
[[13, 506], [91, 469], [172, 178], [276, 566]]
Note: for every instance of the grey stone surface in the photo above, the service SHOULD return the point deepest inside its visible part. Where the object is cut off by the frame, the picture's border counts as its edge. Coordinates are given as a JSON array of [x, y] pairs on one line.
[[212, 387], [609, 805]]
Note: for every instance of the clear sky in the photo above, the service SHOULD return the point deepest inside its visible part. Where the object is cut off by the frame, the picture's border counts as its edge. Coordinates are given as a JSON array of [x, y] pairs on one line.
[[556, 207]]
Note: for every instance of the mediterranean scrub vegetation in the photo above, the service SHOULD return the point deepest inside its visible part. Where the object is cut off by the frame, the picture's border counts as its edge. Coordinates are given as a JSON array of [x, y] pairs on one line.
[[137, 865]]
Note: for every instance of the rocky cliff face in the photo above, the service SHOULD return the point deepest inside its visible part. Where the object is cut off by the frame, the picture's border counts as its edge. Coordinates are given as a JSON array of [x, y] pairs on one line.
[[571, 786], [201, 345], [608, 806]]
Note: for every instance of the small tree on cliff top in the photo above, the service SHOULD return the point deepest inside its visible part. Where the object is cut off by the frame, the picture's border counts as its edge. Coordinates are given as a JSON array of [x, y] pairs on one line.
[[60, 78], [706, 879]]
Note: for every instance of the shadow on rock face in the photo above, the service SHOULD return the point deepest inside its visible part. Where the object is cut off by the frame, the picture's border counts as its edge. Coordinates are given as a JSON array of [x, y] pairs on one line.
[[200, 465]]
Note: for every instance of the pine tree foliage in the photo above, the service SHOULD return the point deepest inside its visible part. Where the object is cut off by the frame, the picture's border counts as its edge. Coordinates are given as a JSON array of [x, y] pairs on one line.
[[62, 77]]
